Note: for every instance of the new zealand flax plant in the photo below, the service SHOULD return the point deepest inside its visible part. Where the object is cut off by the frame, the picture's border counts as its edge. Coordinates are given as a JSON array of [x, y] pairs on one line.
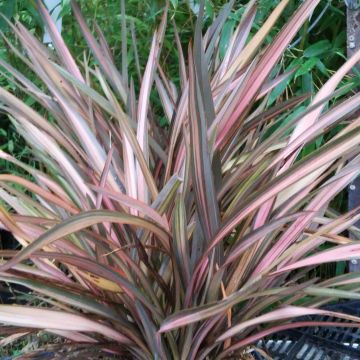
[[187, 243]]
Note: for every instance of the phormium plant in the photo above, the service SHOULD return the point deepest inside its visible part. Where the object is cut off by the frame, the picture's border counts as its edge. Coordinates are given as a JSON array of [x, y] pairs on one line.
[[187, 243]]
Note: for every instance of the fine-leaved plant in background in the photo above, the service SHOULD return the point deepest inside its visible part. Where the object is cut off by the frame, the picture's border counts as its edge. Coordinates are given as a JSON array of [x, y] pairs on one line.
[[191, 242]]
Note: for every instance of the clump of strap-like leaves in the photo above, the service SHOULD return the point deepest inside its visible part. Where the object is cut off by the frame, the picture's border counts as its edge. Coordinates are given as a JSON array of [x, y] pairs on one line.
[[183, 243]]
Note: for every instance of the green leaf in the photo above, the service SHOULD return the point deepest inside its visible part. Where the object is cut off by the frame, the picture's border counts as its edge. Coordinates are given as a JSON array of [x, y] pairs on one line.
[[65, 8], [279, 89], [7, 8], [320, 65], [209, 9], [333, 293], [10, 146], [340, 268], [307, 66], [317, 49], [307, 84], [174, 3], [226, 37]]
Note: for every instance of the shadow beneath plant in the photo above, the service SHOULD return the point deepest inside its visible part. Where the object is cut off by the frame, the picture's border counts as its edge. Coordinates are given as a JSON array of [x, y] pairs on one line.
[[10, 293]]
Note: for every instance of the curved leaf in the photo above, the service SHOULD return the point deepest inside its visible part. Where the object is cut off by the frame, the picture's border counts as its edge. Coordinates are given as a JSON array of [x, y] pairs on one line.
[[82, 221]]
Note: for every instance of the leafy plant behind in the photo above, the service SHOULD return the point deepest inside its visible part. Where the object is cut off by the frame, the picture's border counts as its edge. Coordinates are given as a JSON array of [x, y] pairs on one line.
[[183, 244]]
